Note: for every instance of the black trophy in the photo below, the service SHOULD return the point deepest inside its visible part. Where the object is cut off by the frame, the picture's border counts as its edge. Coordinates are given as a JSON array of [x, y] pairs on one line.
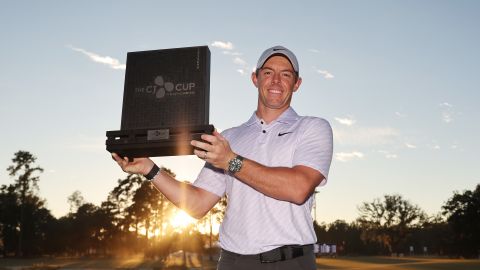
[[165, 103]]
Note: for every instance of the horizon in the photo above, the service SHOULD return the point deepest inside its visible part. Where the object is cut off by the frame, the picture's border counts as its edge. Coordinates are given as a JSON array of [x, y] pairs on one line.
[[181, 219]]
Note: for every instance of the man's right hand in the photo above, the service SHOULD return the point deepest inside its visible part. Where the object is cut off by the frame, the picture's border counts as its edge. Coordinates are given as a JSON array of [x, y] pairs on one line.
[[138, 165]]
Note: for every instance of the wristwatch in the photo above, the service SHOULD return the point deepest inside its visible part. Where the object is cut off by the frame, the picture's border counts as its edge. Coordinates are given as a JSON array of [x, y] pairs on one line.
[[153, 172], [235, 164]]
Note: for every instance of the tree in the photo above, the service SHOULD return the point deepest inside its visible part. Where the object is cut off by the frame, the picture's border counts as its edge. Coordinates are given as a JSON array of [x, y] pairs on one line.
[[145, 204], [217, 212], [345, 236], [8, 219], [110, 233], [463, 215], [87, 231], [162, 209], [320, 231], [136, 204], [37, 223], [75, 201], [121, 198], [433, 237], [26, 186], [389, 221]]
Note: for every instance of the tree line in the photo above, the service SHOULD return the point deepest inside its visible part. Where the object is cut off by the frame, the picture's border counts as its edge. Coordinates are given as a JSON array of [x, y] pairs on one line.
[[134, 219], [392, 225]]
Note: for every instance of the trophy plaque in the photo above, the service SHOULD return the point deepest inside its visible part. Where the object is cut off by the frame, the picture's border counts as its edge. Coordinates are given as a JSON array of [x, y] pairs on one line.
[[165, 103]]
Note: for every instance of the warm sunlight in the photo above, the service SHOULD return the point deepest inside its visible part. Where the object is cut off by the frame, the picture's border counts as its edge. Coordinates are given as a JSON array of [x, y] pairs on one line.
[[181, 220]]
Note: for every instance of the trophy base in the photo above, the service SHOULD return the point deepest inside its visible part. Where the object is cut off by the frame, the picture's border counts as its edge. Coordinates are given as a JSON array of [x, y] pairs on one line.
[[153, 142]]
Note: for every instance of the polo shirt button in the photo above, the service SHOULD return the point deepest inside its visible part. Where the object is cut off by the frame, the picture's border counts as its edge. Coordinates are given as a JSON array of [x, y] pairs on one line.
[[264, 131]]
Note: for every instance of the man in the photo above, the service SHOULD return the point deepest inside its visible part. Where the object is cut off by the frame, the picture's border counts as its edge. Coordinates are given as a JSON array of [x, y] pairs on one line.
[[268, 167]]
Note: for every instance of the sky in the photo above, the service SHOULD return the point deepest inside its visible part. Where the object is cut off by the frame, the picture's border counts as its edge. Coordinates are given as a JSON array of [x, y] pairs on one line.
[[397, 80]]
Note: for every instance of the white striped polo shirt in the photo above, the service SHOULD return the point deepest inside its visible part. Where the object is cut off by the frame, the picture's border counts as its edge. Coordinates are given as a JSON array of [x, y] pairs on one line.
[[254, 222]]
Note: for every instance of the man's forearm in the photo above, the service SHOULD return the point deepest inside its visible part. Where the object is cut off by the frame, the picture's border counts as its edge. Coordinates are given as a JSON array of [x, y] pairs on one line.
[[288, 184]]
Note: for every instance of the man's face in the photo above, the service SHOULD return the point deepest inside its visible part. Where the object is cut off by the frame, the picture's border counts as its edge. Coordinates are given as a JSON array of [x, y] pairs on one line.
[[276, 81]]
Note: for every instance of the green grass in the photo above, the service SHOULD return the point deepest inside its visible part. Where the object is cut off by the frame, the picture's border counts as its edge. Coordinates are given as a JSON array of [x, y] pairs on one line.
[[194, 262]]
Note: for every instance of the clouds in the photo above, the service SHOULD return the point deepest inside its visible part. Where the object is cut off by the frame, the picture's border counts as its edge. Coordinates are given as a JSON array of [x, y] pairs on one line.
[[353, 140], [344, 156], [349, 135], [325, 73], [106, 60], [239, 61], [410, 146], [366, 136], [387, 154], [222, 45], [447, 112], [345, 121], [242, 66]]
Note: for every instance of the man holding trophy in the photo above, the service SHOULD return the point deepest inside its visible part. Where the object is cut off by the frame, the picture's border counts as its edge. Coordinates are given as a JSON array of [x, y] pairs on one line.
[[268, 167]]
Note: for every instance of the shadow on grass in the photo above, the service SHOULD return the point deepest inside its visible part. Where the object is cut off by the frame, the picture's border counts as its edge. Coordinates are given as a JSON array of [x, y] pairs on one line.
[[359, 263], [380, 260], [107, 263], [79, 263], [364, 263], [446, 265]]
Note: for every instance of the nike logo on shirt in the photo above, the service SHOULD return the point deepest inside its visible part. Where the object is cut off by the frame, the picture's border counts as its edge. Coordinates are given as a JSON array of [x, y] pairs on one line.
[[283, 133]]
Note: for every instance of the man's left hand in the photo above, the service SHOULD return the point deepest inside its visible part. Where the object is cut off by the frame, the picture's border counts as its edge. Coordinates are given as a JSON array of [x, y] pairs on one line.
[[215, 150]]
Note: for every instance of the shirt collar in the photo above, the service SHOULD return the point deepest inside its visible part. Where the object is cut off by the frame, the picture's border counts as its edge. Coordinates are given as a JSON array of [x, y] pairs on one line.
[[289, 116]]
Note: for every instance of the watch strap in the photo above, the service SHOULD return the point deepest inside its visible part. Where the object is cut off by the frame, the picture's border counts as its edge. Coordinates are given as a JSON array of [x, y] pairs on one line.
[[153, 172]]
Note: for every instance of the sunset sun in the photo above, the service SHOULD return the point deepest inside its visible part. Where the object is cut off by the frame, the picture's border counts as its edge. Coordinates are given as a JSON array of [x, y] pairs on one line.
[[181, 220]]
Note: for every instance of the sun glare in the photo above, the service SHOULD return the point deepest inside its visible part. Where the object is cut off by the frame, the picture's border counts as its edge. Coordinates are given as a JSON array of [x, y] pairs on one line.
[[181, 220]]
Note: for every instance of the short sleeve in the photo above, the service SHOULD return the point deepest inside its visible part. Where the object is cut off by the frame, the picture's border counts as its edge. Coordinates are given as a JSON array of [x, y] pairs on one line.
[[315, 146], [212, 180]]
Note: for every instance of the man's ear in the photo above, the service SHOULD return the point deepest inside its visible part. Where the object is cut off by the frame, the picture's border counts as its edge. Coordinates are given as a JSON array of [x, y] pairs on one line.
[[254, 79], [297, 84]]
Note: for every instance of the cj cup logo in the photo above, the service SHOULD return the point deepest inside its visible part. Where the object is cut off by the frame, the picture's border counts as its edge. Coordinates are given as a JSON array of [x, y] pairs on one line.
[[161, 88], [164, 86]]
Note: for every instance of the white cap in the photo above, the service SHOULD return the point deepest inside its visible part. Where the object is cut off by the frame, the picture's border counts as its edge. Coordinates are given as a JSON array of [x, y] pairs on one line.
[[278, 50]]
